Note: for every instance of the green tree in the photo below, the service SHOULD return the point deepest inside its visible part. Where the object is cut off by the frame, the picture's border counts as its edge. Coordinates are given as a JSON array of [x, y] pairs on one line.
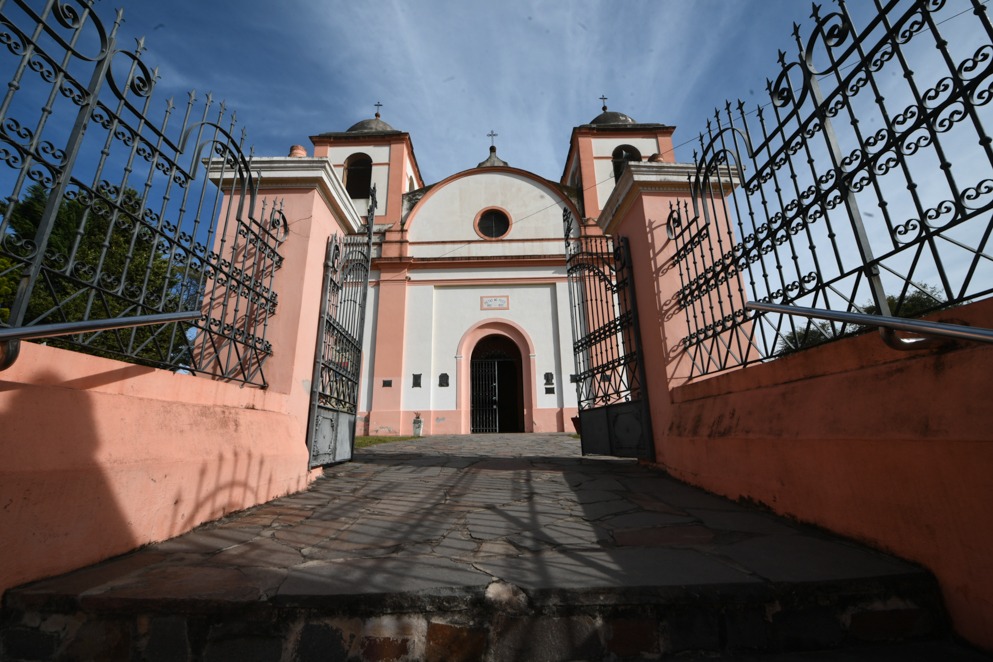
[[104, 261], [9, 276], [919, 300], [809, 333], [922, 299]]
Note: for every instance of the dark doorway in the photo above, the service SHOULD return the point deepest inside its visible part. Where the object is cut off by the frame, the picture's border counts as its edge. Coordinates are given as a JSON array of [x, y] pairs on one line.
[[358, 176], [497, 398], [623, 155]]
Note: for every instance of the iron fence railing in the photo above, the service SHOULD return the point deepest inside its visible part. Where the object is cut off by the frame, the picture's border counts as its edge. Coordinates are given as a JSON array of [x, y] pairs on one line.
[[610, 377], [334, 395], [112, 236], [861, 191], [604, 319], [338, 360]]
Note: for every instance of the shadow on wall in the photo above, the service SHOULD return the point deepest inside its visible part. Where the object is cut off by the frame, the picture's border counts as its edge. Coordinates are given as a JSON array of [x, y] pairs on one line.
[[88, 475], [58, 509], [660, 247], [227, 491]]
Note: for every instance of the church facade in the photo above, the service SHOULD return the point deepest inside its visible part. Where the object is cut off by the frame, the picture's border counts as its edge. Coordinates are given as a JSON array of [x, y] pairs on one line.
[[468, 315]]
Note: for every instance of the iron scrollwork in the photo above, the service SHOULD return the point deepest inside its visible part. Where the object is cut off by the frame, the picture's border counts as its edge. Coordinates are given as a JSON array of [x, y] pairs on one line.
[[606, 353], [119, 223], [797, 203]]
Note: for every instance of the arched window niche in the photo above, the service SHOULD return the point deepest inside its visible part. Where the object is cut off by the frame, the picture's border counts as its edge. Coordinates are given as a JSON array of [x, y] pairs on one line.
[[621, 155], [358, 176]]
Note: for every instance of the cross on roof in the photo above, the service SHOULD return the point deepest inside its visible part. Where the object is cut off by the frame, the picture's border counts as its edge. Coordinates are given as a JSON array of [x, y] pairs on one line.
[[604, 100], [491, 135], [378, 106]]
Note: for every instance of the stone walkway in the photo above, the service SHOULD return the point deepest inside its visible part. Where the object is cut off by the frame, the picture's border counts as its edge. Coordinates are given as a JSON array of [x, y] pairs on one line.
[[498, 547]]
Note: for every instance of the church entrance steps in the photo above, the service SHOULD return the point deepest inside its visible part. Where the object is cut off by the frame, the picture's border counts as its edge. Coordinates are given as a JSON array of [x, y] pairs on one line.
[[488, 547]]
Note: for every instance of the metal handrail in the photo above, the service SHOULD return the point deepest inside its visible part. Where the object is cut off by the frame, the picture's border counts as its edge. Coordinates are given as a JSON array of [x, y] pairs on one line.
[[923, 327], [816, 198], [70, 328], [143, 226]]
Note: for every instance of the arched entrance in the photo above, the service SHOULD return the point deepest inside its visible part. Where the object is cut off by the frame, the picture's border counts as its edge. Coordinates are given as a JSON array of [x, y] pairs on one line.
[[523, 351], [496, 386]]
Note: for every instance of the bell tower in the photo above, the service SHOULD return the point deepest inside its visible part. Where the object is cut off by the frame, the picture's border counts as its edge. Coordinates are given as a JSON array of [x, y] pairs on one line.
[[600, 150], [372, 152]]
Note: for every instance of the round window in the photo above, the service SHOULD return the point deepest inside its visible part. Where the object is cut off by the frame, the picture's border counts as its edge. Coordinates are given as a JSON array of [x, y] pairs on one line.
[[493, 224]]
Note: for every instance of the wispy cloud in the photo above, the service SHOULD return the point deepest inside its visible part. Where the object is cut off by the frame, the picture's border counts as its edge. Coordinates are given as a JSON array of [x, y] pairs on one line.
[[450, 71]]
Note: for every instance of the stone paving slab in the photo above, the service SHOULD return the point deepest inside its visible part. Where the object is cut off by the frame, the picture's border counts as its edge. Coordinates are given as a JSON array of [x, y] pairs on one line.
[[382, 575], [447, 532]]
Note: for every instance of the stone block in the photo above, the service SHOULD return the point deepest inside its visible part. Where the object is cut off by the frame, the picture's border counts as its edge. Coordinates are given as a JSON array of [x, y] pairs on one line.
[[167, 641], [244, 649], [244, 641], [807, 629], [319, 642], [748, 629], [99, 640], [384, 649], [891, 624], [547, 639], [690, 629], [633, 637], [28, 644], [455, 643]]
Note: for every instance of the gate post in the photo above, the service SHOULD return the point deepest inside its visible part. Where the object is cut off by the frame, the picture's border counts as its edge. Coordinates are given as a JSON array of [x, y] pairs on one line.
[[316, 206], [639, 209], [386, 406]]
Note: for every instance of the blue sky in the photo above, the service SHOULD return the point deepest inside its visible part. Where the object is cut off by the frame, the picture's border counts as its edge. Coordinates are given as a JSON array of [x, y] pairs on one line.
[[450, 71]]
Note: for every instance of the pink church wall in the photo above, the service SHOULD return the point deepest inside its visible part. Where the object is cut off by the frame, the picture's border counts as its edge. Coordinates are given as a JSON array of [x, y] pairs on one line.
[[451, 421], [387, 416], [554, 420], [101, 456], [890, 448]]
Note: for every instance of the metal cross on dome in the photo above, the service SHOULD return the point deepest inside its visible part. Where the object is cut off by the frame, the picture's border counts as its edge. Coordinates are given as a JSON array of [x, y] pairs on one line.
[[492, 135], [604, 100], [378, 105]]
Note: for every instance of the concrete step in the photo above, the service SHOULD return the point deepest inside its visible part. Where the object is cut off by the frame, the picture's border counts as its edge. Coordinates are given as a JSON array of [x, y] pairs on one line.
[[498, 622], [148, 608], [468, 549], [926, 651]]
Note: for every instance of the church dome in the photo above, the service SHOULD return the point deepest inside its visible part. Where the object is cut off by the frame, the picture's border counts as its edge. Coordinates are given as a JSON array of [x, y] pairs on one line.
[[371, 125], [611, 117]]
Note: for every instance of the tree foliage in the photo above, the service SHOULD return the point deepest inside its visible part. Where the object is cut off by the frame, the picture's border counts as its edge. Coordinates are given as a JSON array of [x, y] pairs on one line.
[[9, 276], [810, 333], [918, 301], [103, 260]]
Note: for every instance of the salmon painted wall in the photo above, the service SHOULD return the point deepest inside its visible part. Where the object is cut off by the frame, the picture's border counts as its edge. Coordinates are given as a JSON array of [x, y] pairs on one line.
[[101, 456], [639, 209], [890, 448], [452, 421]]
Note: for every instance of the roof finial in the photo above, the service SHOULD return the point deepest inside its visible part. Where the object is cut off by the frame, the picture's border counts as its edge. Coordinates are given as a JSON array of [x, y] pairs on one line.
[[492, 159], [604, 100], [378, 106]]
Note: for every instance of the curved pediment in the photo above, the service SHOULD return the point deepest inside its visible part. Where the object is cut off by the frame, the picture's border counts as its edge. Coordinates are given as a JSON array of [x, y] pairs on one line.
[[488, 211]]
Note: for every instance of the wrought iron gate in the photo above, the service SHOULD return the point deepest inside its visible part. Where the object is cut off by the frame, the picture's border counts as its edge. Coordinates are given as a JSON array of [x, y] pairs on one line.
[[110, 239], [610, 375], [338, 357], [485, 409], [857, 196]]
